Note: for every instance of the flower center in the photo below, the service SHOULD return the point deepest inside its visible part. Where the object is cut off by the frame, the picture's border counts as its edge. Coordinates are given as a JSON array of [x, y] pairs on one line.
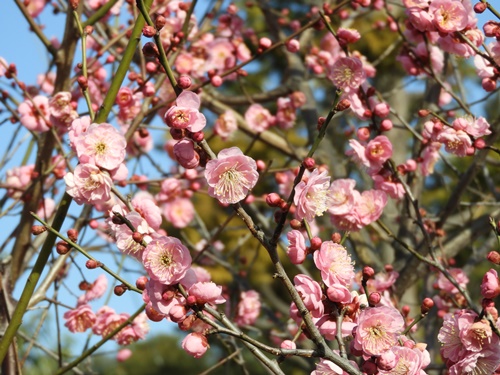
[[100, 148]]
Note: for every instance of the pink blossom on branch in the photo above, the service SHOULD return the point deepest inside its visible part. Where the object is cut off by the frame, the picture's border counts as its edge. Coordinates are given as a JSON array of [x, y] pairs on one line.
[[231, 176], [185, 113], [88, 184], [314, 196], [334, 263], [166, 260]]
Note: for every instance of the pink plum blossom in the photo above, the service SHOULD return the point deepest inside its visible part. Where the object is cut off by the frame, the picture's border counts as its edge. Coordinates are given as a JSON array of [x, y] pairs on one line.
[[146, 206], [185, 154], [408, 361], [326, 367], [373, 155], [179, 212], [95, 290], [347, 73], [371, 205], [79, 319], [123, 355], [314, 196], [17, 180], [225, 125], [311, 293], [342, 197], [206, 292], [449, 15], [231, 176], [185, 113], [166, 260], [88, 184], [248, 308], [35, 113], [334, 263], [102, 145], [123, 234], [296, 251], [195, 344], [490, 286], [378, 330], [460, 277], [77, 128], [259, 118], [456, 142]]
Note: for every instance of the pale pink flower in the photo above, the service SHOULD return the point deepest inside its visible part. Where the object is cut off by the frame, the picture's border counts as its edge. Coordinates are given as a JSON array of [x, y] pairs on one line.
[[342, 198], [370, 207], [166, 260], [80, 318], [483, 362], [326, 367], [231, 176], [46, 207], [338, 293], [161, 297], [146, 206], [421, 19], [185, 113], [328, 327], [475, 335], [460, 277], [221, 55], [456, 142], [430, 156], [311, 293], [490, 286], [259, 118], [407, 361], [185, 154], [477, 127], [248, 308], [77, 128], [195, 344], [179, 212], [123, 234], [46, 82], [88, 184], [378, 330], [95, 290], [123, 355], [103, 145], [297, 250], [60, 105], [170, 188], [133, 332], [35, 114], [452, 347], [225, 125], [314, 196], [449, 15], [17, 179], [373, 155], [207, 292], [334, 263], [347, 73], [386, 183], [285, 115], [35, 7]]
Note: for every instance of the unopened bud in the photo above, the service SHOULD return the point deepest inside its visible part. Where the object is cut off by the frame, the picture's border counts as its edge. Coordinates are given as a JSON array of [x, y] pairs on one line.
[[316, 243], [343, 105], [148, 31], [37, 229], [405, 310], [423, 112], [120, 289], [84, 285], [83, 82], [295, 224], [150, 49], [137, 237], [265, 43], [427, 304], [493, 257], [480, 7], [368, 273], [73, 234], [141, 282], [184, 82], [62, 247], [309, 163], [92, 264], [374, 299], [273, 200], [160, 22], [336, 238]]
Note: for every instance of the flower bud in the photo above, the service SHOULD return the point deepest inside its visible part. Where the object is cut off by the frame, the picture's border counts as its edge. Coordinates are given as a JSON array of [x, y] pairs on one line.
[[423, 112], [265, 43], [293, 45], [374, 298], [92, 264], [62, 247], [368, 273], [73, 234], [427, 304], [316, 243], [494, 257], [141, 282], [150, 49], [295, 224], [273, 200], [336, 237], [184, 82], [480, 7], [120, 289], [343, 105], [148, 31], [137, 237], [38, 229], [309, 163]]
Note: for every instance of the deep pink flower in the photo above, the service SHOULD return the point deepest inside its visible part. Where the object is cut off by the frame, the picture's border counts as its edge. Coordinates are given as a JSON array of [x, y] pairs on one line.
[[102, 145], [35, 114], [285, 115], [334, 263], [79, 319], [347, 73], [407, 361], [370, 206], [185, 114], [231, 176], [490, 287], [475, 335], [449, 15], [339, 293], [311, 293], [207, 292], [166, 260], [77, 128], [314, 196], [378, 329], [452, 347], [456, 142], [259, 118], [195, 344], [248, 308], [296, 251], [373, 155], [88, 184]]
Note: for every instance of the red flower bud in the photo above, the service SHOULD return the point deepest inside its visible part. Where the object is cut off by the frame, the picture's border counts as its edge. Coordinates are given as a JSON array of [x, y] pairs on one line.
[[427, 304], [120, 289], [37, 229]]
